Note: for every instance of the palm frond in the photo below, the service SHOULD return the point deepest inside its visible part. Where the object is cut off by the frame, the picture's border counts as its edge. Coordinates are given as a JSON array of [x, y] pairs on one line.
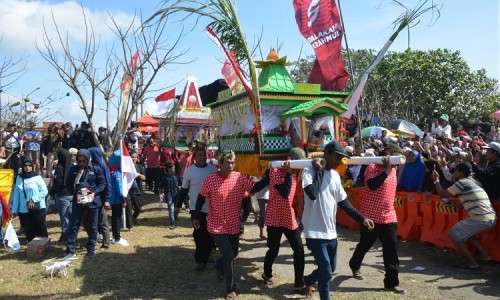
[[412, 15]]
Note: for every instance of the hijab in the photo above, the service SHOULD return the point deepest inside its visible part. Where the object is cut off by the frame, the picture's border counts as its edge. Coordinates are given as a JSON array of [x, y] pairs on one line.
[[26, 160], [413, 176], [96, 156]]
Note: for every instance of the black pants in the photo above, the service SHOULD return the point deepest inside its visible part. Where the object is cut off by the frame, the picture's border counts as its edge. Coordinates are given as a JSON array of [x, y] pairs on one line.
[[387, 234], [228, 246], [116, 218], [246, 208], [34, 223], [273, 243], [153, 178], [136, 200], [203, 241], [102, 225]]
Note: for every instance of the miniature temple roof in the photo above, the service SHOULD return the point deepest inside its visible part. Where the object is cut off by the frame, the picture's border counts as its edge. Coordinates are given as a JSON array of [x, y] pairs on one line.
[[190, 109], [147, 120], [321, 106], [274, 77]]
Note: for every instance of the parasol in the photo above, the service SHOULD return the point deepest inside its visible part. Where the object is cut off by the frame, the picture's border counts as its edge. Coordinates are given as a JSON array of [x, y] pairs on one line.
[[403, 127], [496, 115]]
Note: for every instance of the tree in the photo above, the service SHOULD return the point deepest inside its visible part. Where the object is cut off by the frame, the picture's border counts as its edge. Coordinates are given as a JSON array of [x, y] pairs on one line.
[[225, 23], [11, 70], [92, 80], [419, 85]]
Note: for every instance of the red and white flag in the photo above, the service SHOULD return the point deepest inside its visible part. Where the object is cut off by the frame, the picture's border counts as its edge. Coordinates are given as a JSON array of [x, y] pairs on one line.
[[319, 22], [163, 100], [128, 169], [128, 76]]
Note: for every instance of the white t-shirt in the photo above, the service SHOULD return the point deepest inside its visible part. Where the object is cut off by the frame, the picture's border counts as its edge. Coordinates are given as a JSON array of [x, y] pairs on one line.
[[319, 216], [193, 180], [13, 139]]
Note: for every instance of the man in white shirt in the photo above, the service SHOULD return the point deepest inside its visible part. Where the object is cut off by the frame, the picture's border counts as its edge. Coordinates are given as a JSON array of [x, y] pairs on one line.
[[191, 184], [323, 193]]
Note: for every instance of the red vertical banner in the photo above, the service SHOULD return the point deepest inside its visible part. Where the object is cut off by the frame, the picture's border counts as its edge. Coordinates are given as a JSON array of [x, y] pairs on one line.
[[319, 23]]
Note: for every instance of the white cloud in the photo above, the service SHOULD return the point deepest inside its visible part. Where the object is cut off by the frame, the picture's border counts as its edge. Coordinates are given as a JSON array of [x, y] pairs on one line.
[[21, 23]]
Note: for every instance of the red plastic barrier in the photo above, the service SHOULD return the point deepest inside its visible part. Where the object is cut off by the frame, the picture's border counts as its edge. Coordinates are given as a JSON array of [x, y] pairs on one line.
[[354, 196], [445, 217], [408, 211], [428, 218], [490, 240]]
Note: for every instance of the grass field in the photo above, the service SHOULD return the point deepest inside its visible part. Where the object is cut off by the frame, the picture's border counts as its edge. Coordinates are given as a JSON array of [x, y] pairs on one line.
[[159, 264]]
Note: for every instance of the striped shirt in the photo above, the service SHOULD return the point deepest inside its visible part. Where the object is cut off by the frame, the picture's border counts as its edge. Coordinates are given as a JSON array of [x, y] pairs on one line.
[[474, 199]]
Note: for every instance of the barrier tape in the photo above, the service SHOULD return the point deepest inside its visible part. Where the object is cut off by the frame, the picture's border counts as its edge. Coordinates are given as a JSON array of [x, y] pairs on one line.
[[446, 209]]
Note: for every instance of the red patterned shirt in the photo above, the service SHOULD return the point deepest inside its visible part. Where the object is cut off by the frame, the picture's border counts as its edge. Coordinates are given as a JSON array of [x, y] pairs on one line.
[[279, 211], [224, 196], [378, 205]]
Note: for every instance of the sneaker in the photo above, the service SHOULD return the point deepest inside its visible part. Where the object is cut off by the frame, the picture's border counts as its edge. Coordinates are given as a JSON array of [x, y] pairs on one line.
[[70, 256], [99, 237], [121, 242], [171, 227], [104, 248], [90, 254]]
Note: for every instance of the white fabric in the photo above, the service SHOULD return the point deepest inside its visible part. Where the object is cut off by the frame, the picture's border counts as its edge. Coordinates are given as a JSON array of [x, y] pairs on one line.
[[269, 120], [193, 180], [128, 170], [319, 216], [447, 131], [328, 121], [436, 129], [13, 140]]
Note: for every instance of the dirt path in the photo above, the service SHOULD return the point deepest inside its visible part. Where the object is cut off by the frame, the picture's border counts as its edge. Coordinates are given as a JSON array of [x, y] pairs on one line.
[[438, 278]]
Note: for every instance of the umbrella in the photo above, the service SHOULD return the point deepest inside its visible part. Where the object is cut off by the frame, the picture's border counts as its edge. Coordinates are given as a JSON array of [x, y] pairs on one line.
[[402, 127], [496, 115], [375, 130]]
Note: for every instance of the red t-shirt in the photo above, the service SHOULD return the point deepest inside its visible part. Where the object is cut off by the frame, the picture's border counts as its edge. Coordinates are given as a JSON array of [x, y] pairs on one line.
[[279, 211], [224, 196], [378, 205], [152, 154]]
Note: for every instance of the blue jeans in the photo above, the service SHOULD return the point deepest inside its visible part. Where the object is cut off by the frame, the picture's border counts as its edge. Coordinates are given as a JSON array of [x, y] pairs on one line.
[[63, 204], [171, 208], [325, 254], [74, 226]]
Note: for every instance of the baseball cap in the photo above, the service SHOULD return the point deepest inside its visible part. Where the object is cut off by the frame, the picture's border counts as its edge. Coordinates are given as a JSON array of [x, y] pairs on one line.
[[494, 146], [444, 117], [336, 147]]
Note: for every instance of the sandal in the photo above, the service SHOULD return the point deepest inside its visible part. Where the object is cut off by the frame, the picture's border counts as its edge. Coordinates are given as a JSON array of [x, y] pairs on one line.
[[308, 291], [268, 280], [231, 296], [302, 290]]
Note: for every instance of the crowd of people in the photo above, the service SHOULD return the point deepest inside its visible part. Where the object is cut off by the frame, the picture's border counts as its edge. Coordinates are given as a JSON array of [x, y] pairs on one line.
[[295, 203]]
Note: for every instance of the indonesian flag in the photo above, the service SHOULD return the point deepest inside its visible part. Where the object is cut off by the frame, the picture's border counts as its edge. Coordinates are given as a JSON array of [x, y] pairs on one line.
[[128, 76], [163, 100], [128, 169], [319, 22]]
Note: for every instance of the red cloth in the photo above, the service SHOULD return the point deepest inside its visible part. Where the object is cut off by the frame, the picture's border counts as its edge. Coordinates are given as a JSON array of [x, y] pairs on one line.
[[378, 205], [320, 25], [167, 155], [6, 215], [224, 196], [168, 95], [279, 211], [152, 154]]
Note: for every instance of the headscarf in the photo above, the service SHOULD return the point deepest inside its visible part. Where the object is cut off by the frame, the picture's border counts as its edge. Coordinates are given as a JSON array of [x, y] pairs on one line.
[[413, 175], [26, 160], [63, 163]]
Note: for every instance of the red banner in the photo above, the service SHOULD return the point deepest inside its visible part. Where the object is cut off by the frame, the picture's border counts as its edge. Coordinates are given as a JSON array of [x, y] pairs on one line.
[[128, 76], [319, 23]]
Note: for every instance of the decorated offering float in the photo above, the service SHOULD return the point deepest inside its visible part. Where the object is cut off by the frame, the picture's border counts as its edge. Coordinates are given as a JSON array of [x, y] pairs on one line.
[[290, 115], [189, 121]]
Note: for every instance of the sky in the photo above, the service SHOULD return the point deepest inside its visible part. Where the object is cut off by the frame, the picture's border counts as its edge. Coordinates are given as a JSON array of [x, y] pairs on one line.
[[471, 27]]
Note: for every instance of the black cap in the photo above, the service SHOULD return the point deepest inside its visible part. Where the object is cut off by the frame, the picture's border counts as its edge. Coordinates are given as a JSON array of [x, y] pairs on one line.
[[336, 147]]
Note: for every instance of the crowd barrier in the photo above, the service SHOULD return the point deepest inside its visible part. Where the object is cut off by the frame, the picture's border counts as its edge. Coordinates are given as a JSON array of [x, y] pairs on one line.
[[427, 219]]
